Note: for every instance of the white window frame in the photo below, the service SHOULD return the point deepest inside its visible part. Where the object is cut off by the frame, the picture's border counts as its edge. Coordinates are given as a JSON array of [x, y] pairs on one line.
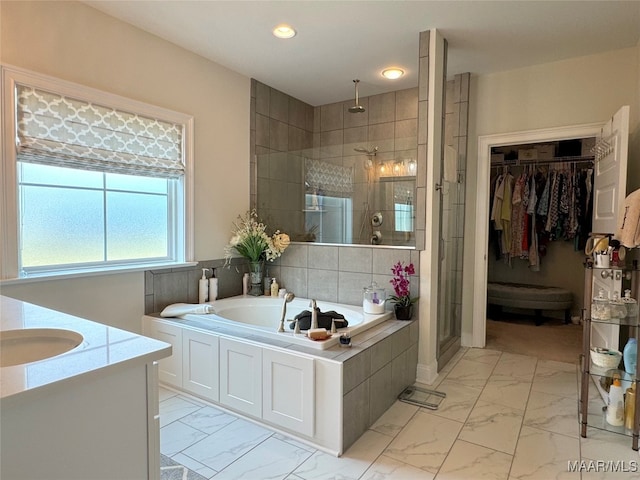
[[183, 250]]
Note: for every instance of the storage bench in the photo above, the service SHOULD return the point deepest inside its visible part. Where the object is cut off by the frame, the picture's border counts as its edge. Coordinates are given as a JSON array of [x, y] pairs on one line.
[[535, 297]]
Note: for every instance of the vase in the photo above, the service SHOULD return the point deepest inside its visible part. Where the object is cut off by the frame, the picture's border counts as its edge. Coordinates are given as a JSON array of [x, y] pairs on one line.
[[403, 312], [256, 273]]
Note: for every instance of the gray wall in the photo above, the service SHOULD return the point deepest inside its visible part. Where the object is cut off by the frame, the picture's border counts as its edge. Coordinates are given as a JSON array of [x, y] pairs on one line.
[[280, 124]]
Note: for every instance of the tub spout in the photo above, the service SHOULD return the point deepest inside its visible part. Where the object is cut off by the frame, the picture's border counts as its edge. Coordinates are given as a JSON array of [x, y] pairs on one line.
[[287, 298], [314, 314]]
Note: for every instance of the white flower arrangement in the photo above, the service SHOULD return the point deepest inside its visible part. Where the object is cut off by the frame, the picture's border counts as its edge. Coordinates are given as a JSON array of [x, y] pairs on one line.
[[250, 240]]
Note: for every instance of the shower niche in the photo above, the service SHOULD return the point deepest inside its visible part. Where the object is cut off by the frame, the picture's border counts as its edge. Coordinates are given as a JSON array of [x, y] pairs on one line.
[[323, 173]]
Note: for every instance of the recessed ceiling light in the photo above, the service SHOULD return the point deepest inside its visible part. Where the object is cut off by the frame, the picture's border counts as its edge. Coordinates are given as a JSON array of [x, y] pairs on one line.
[[284, 31], [392, 73]]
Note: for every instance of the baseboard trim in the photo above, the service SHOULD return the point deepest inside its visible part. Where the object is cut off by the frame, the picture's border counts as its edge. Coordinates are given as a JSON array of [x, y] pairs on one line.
[[427, 374]]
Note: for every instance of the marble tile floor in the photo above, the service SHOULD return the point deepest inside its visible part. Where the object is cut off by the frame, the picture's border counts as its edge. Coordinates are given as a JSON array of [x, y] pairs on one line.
[[506, 416]]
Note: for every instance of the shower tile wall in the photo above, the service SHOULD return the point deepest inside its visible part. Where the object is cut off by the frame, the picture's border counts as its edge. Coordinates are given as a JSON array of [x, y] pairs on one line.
[[280, 124], [284, 130], [423, 108], [389, 122]]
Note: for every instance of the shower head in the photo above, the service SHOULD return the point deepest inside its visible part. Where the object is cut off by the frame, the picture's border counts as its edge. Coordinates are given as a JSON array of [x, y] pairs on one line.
[[370, 153], [357, 108]]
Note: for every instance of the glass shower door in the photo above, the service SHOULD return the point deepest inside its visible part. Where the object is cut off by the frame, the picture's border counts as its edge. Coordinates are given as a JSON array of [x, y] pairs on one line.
[[452, 218], [450, 295]]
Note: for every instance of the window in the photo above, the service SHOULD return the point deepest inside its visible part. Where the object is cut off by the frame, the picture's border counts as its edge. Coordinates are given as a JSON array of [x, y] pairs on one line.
[[93, 181]]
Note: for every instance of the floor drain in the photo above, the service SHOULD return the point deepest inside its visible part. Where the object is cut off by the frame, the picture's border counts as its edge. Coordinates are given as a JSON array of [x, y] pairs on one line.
[[422, 397]]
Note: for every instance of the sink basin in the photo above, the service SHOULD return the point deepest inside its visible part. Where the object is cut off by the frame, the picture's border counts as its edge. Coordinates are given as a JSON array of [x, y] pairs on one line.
[[33, 344]]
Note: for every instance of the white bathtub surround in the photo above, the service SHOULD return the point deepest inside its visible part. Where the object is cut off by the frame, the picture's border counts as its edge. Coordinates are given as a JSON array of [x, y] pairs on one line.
[[326, 397], [60, 415]]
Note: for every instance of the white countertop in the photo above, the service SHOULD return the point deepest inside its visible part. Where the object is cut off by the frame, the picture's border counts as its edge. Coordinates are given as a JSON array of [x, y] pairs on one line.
[[103, 348]]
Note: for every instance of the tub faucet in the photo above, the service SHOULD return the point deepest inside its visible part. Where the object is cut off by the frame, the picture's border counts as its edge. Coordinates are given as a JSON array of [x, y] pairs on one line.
[[287, 298], [314, 314]]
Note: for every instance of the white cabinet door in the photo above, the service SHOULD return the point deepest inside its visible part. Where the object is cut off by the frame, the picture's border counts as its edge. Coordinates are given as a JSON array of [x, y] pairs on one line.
[[288, 397], [200, 364], [241, 376], [610, 179], [170, 368], [609, 192]]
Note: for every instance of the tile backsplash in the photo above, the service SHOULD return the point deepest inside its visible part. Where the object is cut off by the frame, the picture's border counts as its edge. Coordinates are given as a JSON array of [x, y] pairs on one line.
[[324, 272]]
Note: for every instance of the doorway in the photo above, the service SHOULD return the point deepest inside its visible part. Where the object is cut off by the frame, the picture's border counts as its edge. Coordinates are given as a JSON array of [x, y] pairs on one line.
[[485, 144]]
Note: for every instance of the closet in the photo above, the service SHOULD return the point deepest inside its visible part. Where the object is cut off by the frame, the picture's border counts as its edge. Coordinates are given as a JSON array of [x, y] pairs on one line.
[[541, 203]]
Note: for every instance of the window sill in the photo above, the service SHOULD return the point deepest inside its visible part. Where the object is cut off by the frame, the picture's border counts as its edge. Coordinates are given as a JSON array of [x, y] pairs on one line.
[[43, 277]]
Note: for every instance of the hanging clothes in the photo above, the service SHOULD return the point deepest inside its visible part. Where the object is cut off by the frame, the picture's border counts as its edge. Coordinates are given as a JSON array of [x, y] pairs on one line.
[[554, 204], [533, 208], [517, 216], [506, 214]]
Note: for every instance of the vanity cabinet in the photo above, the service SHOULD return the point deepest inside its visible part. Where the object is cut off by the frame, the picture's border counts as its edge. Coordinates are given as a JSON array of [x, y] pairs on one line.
[[170, 368], [89, 413]]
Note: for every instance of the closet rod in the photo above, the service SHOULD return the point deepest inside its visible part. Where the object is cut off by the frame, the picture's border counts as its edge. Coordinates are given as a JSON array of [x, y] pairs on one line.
[[518, 163]]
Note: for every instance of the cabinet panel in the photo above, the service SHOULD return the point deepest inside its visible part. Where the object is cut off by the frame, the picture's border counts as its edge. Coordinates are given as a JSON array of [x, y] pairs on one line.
[[200, 364], [288, 391], [241, 376], [170, 368], [153, 421]]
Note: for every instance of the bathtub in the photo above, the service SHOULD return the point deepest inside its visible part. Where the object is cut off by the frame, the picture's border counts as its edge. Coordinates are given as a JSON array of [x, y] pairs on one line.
[[262, 316]]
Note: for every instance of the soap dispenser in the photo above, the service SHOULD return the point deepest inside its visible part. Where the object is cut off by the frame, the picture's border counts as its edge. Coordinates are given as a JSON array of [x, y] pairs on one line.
[[203, 287], [246, 283], [213, 286], [274, 287]]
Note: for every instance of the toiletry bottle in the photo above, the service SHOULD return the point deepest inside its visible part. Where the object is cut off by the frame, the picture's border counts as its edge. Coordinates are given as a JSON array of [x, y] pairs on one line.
[[213, 286], [630, 356], [274, 288], [630, 407], [203, 287], [267, 285], [615, 406], [245, 284]]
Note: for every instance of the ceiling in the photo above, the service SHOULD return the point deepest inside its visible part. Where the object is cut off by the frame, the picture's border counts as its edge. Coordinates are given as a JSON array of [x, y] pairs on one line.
[[339, 41]]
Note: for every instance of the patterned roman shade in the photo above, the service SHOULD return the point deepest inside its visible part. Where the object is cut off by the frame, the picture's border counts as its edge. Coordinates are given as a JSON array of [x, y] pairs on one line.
[[57, 130], [334, 180]]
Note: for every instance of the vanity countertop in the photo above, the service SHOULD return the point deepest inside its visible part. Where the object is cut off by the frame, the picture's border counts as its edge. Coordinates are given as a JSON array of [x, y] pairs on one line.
[[103, 348]]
